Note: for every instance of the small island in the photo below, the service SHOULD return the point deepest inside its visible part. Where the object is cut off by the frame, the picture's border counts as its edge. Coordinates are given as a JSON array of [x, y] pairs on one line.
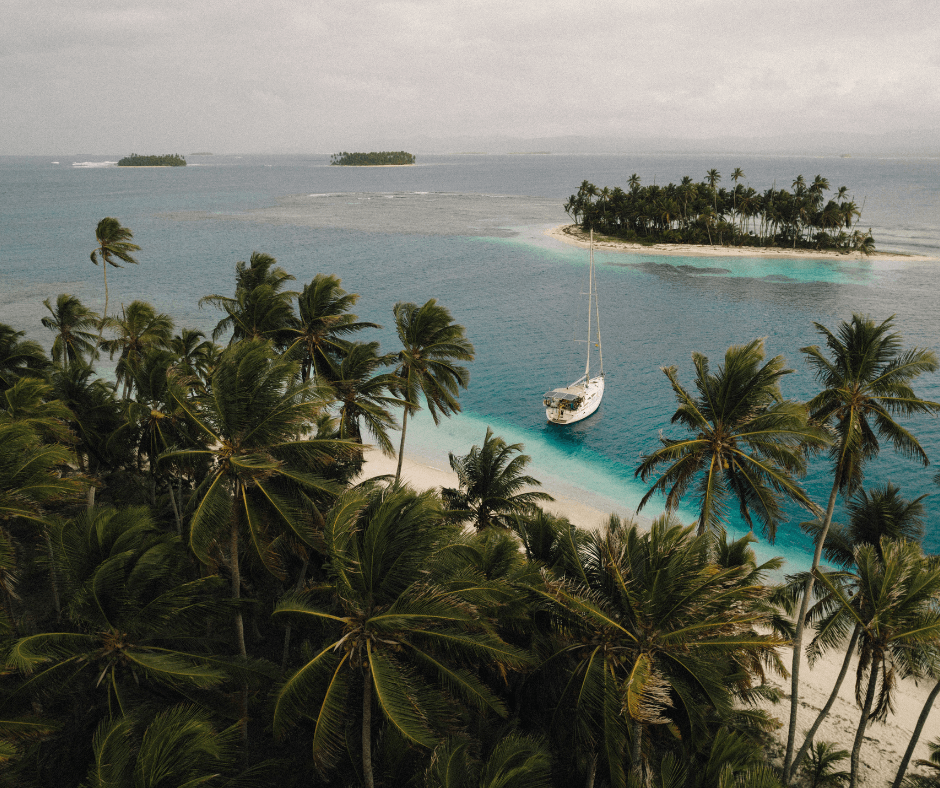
[[706, 214], [375, 159], [167, 160]]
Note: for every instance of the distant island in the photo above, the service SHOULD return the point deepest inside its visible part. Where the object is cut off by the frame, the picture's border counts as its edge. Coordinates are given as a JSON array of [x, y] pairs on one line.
[[704, 213], [375, 159], [167, 160]]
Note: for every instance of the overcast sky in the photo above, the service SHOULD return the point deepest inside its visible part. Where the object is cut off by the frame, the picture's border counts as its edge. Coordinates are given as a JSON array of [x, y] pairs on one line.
[[121, 76]]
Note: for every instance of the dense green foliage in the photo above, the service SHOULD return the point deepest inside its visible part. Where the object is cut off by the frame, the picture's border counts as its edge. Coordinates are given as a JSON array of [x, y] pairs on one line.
[[703, 213], [166, 160], [198, 587], [373, 159]]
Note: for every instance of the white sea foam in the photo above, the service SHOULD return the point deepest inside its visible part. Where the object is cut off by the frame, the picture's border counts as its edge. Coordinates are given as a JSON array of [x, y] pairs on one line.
[[94, 163]]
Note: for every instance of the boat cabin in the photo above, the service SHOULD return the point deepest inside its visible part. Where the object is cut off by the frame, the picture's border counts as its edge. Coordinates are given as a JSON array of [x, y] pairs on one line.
[[567, 399]]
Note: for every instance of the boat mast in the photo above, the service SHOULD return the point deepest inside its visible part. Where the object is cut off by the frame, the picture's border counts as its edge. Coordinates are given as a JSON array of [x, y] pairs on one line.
[[587, 366], [597, 317]]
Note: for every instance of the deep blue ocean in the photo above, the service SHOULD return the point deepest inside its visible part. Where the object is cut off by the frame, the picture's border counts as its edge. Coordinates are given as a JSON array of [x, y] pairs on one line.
[[470, 231]]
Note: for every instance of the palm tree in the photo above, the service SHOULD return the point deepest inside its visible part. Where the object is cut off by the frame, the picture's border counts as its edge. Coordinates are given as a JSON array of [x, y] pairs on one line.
[[154, 421], [493, 484], [746, 442], [261, 308], [19, 356], [650, 636], [362, 395], [874, 518], [324, 320], [34, 475], [97, 418], [821, 771], [431, 343], [385, 616], [31, 402], [895, 609], [131, 606], [179, 746], [138, 329], [736, 176], [69, 319], [515, 760], [881, 512], [930, 778], [712, 177], [114, 243], [549, 540], [915, 737], [195, 355], [866, 381], [262, 473]]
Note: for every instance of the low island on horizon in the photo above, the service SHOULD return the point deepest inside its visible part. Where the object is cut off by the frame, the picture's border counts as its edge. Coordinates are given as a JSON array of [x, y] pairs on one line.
[[374, 159], [166, 160]]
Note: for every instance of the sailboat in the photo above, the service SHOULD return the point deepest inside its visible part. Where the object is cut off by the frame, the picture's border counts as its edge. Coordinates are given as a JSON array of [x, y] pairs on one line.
[[580, 399]]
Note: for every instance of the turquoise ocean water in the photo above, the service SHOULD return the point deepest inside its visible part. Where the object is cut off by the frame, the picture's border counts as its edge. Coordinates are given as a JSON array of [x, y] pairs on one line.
[[469, 231]]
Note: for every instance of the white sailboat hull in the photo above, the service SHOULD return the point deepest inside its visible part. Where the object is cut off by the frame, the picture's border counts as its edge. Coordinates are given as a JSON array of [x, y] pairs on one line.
[[579, 400], [565, 410]]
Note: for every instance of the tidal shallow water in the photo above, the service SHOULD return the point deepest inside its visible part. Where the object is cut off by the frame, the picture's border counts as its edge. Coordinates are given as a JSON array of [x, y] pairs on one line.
[[470, 232]]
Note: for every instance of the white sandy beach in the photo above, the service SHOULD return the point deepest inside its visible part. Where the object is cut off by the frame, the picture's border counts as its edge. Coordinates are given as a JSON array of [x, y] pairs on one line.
[[424, 477], [574, 236], [884, 743]]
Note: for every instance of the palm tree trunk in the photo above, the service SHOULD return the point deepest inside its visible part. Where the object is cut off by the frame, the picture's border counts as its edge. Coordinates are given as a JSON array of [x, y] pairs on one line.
[[367, 731], [863, 722], [52, 576], [176, 511], [401, 448], [297, 587], [591, 770], [11, 612], [635, 733], [236, 577], [915, 736], [104, 315], [239, 623], [832, 699], [800, 626]]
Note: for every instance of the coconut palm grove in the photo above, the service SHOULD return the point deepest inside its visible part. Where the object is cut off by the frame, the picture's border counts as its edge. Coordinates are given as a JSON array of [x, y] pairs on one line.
[[202, 585], [706, 213]]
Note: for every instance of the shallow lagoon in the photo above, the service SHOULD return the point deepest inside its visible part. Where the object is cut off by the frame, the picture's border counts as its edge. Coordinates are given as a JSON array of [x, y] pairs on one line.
[[469, 231]]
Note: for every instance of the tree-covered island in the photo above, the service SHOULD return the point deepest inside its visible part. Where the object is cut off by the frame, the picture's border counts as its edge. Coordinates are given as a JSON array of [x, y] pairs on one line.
[[167, 160], [704, 213], [374, 159]]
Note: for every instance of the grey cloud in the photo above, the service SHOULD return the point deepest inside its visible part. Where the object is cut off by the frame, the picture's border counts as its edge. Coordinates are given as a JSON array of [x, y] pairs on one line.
[[301, 74]]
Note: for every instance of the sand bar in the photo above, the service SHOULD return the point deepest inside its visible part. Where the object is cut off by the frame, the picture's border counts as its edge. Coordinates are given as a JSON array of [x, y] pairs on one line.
[[573, 235]]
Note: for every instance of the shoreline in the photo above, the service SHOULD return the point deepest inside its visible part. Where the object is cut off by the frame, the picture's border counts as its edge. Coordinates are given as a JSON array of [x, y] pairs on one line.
[[885, 743], [574, 236], [422, 475]]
